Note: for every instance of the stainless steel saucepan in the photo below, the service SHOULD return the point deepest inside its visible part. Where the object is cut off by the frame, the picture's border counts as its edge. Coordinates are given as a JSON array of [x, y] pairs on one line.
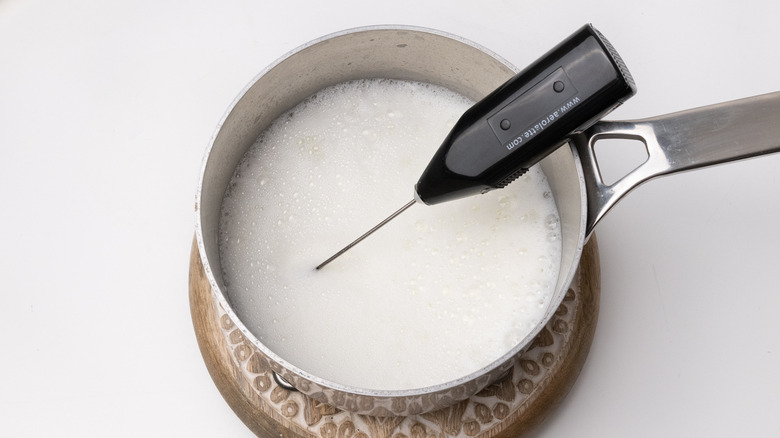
[[676, 142]]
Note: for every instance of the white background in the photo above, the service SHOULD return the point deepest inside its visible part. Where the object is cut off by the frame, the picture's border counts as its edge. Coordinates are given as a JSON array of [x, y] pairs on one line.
[[106, 108]]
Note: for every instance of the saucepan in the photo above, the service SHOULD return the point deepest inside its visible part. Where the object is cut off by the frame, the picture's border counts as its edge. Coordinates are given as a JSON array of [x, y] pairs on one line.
[[674, 143]]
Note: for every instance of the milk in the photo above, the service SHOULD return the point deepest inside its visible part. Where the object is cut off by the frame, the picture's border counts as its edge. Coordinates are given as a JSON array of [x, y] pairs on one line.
[[438, 293]]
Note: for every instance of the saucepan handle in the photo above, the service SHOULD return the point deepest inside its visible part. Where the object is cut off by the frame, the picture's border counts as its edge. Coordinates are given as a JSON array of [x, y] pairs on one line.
[[681, 141]]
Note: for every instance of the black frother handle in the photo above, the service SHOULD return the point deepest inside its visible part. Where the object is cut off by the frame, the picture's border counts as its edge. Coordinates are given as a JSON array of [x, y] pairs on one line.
[[495, 141]]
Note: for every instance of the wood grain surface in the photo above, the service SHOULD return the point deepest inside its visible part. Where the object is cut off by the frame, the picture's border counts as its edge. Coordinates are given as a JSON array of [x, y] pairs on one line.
[[539, 381]]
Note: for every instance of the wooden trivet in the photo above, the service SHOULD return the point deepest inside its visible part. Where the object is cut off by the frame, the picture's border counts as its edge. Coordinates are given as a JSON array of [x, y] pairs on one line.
[[538, 382]]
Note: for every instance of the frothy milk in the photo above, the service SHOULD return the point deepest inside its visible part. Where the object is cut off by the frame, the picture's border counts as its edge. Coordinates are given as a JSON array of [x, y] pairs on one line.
[[438, 293]]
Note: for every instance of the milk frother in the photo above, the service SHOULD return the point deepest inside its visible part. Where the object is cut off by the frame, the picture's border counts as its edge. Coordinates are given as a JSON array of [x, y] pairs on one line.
[[498, 139]]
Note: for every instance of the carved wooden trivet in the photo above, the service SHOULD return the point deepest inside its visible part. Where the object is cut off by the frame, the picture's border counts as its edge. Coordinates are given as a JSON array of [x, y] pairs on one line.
[[538, 382]]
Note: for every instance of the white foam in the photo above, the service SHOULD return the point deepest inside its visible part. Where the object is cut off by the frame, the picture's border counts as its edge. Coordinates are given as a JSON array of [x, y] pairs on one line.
[[438, 293]]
